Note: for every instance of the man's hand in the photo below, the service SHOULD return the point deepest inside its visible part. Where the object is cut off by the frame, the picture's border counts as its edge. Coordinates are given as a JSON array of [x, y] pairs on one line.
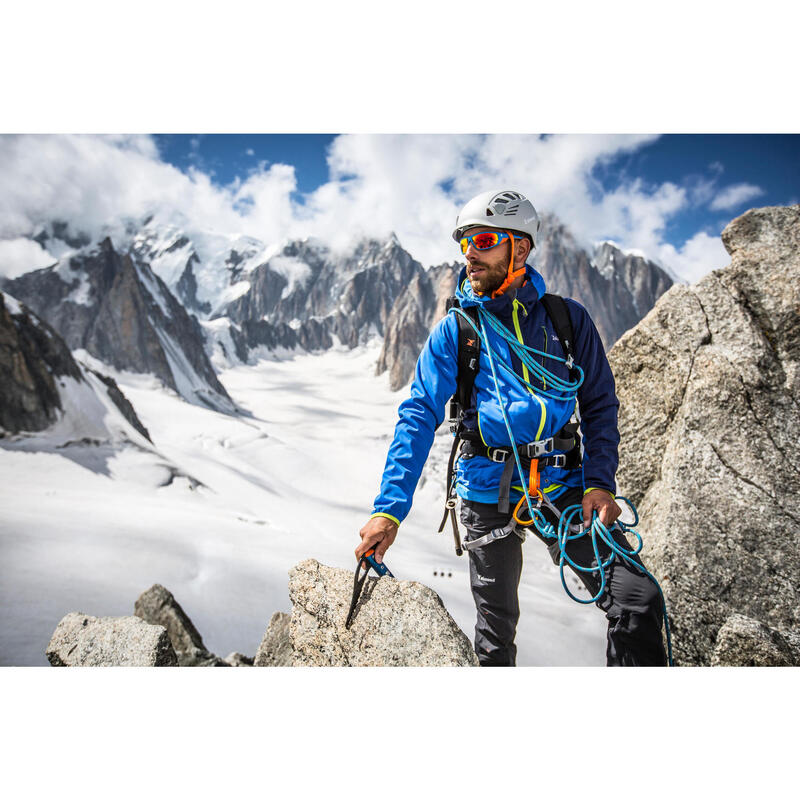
[[380, 533], [603, 502]]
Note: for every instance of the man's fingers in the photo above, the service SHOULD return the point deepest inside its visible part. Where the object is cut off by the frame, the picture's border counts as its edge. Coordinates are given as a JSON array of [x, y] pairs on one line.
[[587, 513], [367, 542], [377, 533], [380, 549]]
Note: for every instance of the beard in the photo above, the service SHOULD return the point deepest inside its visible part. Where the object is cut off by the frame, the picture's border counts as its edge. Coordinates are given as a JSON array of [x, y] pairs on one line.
[[487, 281]]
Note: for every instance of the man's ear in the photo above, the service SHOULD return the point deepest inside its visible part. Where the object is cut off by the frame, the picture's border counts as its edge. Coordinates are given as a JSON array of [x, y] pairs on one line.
[[523, 249]]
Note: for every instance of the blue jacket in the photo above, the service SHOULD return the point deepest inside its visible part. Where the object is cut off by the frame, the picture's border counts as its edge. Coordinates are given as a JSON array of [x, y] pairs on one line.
[[532, 416]]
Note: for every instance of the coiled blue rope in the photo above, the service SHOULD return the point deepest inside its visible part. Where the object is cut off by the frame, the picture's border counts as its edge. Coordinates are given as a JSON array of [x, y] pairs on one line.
[[597, 530]]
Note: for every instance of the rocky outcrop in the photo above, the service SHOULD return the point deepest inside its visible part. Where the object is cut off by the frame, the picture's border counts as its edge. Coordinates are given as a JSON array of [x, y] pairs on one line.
[[32, 357], [396, 623], [158, 606], [83, 641], [275, 649], [34, 361], [745, 642], [708, 384], [159, 634], [123, 314], [122, 403]]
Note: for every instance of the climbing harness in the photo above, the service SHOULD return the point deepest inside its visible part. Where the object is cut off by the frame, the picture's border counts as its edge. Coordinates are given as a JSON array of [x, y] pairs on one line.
[[368, 562], [536, 454]]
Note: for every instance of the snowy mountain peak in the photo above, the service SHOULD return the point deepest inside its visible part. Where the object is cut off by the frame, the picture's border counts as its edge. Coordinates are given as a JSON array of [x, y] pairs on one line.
[[121, 312]]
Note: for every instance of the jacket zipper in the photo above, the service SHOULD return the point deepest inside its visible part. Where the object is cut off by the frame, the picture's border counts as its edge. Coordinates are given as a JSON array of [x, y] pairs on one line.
[[516, 305]]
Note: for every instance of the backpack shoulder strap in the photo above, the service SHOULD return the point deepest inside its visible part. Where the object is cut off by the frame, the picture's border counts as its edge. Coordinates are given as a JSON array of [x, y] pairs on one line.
[[469, 346], [557, 310]]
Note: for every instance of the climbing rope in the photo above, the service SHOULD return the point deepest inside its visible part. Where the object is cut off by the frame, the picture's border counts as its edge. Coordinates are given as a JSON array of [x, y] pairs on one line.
[[567, 530], [560, 389]]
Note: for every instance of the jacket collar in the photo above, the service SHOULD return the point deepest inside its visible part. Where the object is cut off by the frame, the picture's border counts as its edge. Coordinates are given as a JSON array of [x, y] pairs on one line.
[[529, 294]]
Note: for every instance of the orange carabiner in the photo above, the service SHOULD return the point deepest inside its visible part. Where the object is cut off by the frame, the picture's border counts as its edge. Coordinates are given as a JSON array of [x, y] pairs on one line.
[[533, 491]]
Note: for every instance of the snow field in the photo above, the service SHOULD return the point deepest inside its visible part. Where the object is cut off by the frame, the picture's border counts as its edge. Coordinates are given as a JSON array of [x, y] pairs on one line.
[[222, 507]]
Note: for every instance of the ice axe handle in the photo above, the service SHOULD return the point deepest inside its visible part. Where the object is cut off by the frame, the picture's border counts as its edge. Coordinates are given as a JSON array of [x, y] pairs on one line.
[[381, 569]]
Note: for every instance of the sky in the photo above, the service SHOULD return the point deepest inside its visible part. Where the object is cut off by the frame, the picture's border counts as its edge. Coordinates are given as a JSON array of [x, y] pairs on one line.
[[668, 197]]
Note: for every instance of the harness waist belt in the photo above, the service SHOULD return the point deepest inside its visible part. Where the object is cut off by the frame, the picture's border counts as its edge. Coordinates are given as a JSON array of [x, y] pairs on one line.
[[538, 450]]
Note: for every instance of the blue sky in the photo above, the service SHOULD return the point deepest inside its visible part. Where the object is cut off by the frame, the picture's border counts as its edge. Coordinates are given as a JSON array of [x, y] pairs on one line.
[[226, 156], [770, 162]]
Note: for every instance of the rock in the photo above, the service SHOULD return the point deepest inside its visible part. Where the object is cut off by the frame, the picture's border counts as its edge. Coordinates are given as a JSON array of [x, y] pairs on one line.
[[347, 296], [159, 607], [745, 642], [709, 418], [83, 641], [397, 623], [238, 660], [32, 357], [35, 366], [275, 649], [199, 657], [421, 304], [123, 404], [122, 313], [617, 288]]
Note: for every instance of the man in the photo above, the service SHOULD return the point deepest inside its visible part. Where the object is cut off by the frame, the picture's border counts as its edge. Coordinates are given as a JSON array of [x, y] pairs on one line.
[[513, 401]]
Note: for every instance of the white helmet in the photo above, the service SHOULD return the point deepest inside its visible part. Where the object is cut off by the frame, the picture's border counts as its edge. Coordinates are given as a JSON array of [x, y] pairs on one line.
[[506, 210]]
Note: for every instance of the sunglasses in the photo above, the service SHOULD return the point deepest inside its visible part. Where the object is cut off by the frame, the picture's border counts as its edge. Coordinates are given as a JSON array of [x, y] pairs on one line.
[[485, 240]]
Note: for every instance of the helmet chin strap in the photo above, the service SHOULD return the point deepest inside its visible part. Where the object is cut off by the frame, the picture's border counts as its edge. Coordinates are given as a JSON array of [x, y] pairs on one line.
[[512, 273]]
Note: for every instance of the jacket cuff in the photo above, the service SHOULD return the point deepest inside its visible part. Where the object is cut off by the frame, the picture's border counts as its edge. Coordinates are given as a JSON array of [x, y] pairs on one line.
[[601, 488], [388, 516]]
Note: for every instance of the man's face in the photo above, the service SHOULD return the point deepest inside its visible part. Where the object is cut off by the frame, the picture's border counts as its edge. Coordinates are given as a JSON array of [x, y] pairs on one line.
[[487, 269]]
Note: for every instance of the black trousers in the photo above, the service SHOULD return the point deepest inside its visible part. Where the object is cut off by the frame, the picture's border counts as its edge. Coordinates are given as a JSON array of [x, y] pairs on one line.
[[631, 601]]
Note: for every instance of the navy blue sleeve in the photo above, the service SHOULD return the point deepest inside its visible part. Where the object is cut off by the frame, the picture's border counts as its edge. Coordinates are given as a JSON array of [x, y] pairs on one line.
[[598, 403], [419, 416]]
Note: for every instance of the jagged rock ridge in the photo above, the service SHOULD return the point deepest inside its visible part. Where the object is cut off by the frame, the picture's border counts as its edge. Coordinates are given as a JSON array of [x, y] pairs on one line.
[[248, 296], [708, 384], [316, 296], [35, 366], [124, 315], [157, 606]]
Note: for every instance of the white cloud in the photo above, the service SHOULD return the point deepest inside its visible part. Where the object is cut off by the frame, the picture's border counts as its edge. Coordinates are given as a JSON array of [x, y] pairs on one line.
[[95, 182], [698, 256], [413, 185], [18, 256], [733, 196]]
